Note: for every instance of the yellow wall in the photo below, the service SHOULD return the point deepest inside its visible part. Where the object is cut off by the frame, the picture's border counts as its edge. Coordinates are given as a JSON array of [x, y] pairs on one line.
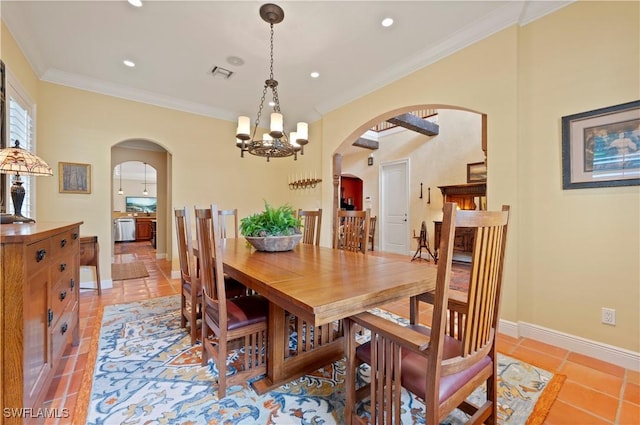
[[569, 252], [579, 249]]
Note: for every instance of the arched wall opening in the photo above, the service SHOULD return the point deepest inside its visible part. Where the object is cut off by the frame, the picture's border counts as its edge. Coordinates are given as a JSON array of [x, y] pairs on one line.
[[436, 160], [157, 157]]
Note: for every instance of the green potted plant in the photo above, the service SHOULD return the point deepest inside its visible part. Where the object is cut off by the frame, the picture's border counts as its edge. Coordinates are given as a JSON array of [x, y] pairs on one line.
[[274, 229]]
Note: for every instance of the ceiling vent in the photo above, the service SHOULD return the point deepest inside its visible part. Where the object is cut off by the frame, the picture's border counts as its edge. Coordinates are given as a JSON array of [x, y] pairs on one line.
[[221, 73]]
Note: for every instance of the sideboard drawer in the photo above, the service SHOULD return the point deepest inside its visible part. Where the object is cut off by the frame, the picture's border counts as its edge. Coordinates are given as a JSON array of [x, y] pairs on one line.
[[65, 242], [38, 255], [62, 294], [61, 330]]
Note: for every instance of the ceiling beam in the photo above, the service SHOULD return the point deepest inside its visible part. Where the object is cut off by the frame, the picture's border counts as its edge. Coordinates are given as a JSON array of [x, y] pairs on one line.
[[417, 124], [366, 143]]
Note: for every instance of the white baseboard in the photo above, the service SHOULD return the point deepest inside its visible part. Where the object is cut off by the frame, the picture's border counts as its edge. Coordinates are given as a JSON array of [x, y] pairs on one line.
[[175, 274], [605, 352], [106, 284]]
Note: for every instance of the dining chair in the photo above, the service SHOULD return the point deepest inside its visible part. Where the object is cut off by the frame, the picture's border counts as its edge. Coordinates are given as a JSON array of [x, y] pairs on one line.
[[372, 230], [311, 224], [191, 292], [227, 216], [439, 369], [227, 323], [351, 230]]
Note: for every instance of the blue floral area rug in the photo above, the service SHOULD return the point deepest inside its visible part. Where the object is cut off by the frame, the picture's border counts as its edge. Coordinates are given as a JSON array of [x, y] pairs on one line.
[[147, 372]]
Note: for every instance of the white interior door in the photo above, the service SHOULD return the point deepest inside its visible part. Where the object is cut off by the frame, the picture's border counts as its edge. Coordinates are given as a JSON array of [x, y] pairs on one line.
[[395, 207]]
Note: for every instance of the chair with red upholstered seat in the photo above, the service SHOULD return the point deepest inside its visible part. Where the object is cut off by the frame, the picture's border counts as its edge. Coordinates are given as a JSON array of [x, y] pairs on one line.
[[241, 320], [439, 368]]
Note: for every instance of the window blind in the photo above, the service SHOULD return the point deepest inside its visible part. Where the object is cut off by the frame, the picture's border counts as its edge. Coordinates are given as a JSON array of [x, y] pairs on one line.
[[21, 128]]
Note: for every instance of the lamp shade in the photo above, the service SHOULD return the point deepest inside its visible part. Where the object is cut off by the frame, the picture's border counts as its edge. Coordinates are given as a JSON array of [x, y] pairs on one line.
[[15, 160]]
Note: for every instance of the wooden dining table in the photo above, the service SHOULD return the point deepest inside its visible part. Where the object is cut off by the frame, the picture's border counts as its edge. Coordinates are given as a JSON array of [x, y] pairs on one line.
[[318, 285]]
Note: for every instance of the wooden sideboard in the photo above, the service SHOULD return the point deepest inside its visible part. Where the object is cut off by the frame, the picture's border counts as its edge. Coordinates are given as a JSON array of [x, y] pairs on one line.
[[470, 196], [39, 299]]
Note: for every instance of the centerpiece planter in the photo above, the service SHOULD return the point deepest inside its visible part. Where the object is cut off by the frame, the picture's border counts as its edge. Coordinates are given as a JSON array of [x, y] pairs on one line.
[[273, 230], [274, 243]]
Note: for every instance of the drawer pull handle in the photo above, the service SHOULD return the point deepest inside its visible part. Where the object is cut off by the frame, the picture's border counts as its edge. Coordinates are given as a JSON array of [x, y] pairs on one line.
[[72, 283], [63, 243], [63, 295], [41, 254], [63, 329], [49, 317], [75, 236], [63, 267]]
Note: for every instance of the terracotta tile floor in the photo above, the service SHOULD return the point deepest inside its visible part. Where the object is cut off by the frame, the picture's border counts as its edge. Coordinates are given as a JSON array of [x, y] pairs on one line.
[[595, 392]]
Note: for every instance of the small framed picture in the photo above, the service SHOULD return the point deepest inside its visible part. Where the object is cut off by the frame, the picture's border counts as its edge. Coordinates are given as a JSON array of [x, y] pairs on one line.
[[74, 178], [601, 148], [476, 172]]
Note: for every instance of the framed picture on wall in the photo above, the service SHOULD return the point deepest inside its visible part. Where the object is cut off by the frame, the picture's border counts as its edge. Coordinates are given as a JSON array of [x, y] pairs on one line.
[[476, 172], [74, 177], [601, 148]]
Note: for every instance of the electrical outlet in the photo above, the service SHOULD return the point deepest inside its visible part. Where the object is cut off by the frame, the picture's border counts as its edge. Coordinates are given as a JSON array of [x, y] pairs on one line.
[[608, 316]]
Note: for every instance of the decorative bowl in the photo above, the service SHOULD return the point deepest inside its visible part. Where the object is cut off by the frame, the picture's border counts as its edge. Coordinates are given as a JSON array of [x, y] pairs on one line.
[[274, 243]]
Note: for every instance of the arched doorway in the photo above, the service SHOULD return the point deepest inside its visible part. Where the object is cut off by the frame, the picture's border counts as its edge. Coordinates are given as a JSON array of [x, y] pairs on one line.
[[134, 156], [435, 160]]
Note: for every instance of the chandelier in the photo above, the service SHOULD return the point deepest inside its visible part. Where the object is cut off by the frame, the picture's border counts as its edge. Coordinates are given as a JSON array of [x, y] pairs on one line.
[[276, 143]]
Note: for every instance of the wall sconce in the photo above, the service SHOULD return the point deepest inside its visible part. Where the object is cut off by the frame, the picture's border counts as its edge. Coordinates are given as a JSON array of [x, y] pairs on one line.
[[370, 160], [303, 182]]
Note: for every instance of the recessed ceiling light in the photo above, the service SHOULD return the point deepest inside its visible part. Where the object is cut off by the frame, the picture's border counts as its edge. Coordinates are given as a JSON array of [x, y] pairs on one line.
[[234, 60], [387, 22], [136, 3], [129, 63], [315, 74]]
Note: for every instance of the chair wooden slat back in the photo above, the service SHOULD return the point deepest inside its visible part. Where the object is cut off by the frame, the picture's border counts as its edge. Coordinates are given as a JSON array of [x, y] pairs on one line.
[[372, 230], [311, 224], [190, 292], [466, 360], [225, 227], [485, 278], [183, 235], [211, 271], [351, 230]]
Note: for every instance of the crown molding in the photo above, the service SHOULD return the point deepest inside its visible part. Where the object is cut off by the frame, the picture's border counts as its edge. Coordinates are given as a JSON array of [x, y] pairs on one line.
[[124, 92]]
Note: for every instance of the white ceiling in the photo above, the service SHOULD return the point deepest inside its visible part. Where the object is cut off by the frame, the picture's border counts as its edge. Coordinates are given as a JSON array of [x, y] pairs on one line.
[[175, 44], [135, 170]]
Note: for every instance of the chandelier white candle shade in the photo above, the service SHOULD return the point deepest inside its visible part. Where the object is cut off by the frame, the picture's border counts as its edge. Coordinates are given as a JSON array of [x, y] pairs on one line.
[[278, 144], [15, 160]]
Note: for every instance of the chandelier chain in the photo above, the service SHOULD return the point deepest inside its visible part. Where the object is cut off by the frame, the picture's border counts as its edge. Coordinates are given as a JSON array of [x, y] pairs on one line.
[[271, 55]]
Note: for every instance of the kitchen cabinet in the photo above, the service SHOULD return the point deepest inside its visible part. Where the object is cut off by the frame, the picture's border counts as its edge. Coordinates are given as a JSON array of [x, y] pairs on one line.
[[144, 228]]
